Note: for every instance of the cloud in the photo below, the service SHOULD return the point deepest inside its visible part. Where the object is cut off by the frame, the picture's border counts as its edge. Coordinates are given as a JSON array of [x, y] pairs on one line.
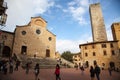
[[42, 6], [20, 11], [109, 32], [78, 9], [72, 45], [67, 45]]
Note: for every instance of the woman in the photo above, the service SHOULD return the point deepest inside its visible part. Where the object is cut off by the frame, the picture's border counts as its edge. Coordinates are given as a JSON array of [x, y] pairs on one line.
[[57, 72], [92, 73]]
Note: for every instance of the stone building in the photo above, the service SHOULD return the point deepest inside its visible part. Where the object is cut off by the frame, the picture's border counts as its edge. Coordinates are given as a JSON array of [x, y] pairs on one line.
[[105, 54], [6, 43], [101, 51], [116, 32], [77, 59], [33, 40]]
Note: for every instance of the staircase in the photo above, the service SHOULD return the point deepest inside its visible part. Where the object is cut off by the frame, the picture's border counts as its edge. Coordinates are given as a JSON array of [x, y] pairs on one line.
[[43, 62], [67, 63]]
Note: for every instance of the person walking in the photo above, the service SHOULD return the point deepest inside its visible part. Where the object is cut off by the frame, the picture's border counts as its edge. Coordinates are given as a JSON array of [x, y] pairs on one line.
[[17, 65], [36, 71], [110, 71], [92, 73], [97, 71], [11, 66], [57, 72], [27, 68], [82, 70]]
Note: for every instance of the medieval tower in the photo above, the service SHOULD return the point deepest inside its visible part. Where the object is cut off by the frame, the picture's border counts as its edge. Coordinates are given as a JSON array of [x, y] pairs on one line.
[[97, 23]]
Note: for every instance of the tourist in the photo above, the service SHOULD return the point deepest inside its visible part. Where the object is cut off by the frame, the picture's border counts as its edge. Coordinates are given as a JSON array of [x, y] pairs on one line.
[[27, 68], [11, 66], [92, 73], [76, 66], [110, 71], [17, 65], [36, 71], [57, 72], [97, 71], [5, 67], [82, 70]]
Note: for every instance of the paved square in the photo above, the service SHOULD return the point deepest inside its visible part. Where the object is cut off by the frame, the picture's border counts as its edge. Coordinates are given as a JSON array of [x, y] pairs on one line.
[[66, 74]]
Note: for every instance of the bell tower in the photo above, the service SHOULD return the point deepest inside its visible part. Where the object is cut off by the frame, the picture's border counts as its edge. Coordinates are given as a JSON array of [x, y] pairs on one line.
[[97, 23]]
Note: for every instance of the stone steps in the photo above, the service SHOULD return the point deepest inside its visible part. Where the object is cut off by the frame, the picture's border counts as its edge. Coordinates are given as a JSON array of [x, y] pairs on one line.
[[43, 62]]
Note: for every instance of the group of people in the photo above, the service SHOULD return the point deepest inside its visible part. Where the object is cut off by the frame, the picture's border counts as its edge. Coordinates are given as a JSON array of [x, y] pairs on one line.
[[95, 71], [6, 65]]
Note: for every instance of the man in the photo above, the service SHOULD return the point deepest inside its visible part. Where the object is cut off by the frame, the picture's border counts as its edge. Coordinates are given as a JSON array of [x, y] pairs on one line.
[[97, 71]]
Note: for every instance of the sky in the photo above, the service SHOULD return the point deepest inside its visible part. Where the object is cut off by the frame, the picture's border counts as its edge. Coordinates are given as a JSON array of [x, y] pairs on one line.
[[69, 20]]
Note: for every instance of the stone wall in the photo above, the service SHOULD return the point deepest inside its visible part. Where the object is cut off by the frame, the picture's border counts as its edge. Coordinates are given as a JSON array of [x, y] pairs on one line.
[[34, 39]]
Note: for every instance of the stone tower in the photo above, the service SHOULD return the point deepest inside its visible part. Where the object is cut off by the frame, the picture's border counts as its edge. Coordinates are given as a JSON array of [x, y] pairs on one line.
[[116, 32], [97, 23]]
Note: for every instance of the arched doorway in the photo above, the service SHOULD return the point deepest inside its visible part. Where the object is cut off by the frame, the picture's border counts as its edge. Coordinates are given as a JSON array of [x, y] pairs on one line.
[[24, 50], [95, 62], [112, 65], [6, 52], [87, 64]]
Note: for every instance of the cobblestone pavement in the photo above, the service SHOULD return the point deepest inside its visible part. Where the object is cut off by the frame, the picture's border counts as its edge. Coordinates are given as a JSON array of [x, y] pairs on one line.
[[66, 74]]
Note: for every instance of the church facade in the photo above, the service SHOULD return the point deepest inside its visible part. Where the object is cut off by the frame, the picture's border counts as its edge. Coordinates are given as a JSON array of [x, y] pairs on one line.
[[33, 40]]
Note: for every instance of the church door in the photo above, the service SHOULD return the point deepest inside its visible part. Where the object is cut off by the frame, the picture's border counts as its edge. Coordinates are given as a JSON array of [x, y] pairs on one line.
[[47, 53], [24, 50]]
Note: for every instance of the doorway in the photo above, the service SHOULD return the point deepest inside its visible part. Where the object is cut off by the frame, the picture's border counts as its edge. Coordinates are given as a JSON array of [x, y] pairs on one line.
[[6, 51], [24, 50], [87, 64], [47, 53], [112, 65]]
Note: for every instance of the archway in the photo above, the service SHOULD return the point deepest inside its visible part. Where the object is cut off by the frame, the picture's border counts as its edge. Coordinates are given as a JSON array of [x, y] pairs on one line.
[[24, 50], [112, 65], [95, 62], [87, 64], [6, 51]]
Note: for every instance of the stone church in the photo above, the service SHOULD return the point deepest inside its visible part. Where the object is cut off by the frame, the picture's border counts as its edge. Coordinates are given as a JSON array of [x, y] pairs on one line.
[[33, 39]]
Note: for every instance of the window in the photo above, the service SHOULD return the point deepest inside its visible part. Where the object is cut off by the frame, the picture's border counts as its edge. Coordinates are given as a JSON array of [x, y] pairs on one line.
[[104, 53], [93, 46], [113, 52], [50, 38], [23, 32], [111, 45], [85, 47], [94, 62], [4, 37], [86, 54], [75, 56], [119, 50], [103, 45], [75, 59], [38, 31], [94, 54]]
